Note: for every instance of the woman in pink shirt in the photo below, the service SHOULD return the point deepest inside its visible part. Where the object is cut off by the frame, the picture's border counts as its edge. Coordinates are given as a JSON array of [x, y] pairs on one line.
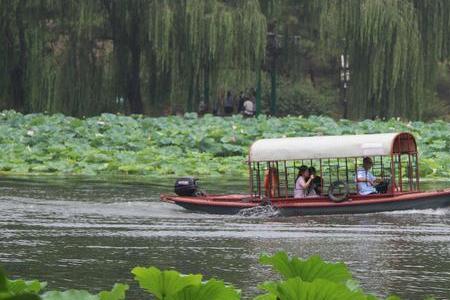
[[302, 183]]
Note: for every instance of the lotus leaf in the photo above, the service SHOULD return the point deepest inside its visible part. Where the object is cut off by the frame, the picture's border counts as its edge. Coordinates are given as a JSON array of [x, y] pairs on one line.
[[164, 284], [308, 270], [319, 289], [39, 143]]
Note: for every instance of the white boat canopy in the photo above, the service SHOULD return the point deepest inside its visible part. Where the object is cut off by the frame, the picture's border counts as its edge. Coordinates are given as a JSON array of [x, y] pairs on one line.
[[317, 147]]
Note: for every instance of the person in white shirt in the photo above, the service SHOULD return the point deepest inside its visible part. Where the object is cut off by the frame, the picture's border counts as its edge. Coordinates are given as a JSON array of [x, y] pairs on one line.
[[367, 183], [249, 108]]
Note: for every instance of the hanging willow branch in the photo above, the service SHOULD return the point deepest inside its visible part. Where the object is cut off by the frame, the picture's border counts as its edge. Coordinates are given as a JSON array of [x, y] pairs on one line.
[[84, 57], [206, 38]]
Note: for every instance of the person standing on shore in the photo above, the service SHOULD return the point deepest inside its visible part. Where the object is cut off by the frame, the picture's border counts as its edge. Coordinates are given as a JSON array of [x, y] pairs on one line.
[[249, 108], [241, 101], [228, 105]]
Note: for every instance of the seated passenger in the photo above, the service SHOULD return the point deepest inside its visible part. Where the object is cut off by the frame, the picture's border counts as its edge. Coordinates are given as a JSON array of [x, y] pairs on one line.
[[367, 183], [302, 183], [316, 185], [271, 182]]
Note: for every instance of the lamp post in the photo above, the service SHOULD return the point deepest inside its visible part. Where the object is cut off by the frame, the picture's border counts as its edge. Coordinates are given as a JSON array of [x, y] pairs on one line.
[[273, 51], [345, 80], [258, 91]]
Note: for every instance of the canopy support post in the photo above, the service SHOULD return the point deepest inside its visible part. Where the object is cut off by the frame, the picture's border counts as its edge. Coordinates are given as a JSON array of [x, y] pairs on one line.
[[286, 179], [410, 173], [417, 172], [329, 170], [278, 180], [250, 178], [269, 177], [356, 174], [346, 170], [258, 180], [400, 172], [337, 170], [321, 178], [394, 182]]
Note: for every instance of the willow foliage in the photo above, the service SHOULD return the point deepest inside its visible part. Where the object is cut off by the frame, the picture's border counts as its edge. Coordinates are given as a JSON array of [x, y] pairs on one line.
[[393, 47], [151, 56], [85, 57], [204, 41], [385, 58]]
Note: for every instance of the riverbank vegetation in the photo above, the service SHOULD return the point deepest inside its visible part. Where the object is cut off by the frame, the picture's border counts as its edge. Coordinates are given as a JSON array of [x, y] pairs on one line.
[[189, 145], [161, 57], [309, 279]]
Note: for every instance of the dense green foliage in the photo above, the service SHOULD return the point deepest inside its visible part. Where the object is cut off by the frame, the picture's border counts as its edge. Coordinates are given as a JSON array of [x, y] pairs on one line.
[[158, 56], [115, 144], [310, 279]]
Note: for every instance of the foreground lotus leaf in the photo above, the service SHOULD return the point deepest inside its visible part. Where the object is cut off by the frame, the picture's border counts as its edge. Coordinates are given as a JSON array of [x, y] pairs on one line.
[[163, 284], [308, 270], [319, 289]]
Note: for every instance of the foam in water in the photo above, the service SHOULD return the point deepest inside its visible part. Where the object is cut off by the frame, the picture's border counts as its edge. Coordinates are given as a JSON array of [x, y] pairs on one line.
[[259, 211], [437, 212]]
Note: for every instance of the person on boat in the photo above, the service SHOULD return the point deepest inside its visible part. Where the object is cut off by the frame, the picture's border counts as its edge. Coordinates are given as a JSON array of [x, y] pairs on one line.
[[367, 183], [271, 181], [303, 182], [316, 185]]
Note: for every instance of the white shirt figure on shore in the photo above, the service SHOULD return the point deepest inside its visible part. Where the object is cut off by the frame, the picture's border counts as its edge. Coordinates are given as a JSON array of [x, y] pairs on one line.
[[249, 107]]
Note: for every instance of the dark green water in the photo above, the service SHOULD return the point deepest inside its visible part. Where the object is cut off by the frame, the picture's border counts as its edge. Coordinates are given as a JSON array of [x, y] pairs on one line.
[[89, 234]]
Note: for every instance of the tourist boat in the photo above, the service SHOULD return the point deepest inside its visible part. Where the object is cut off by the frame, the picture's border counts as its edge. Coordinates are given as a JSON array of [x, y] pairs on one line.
[[273, 165]]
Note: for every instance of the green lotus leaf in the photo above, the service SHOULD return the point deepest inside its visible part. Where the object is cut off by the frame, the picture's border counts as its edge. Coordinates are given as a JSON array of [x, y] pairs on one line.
[[211, 290], [69, 295], [27, 141], [27, 296], [117, 293], [20, 286], [308, 270], [319, 289], [164, 284], [19, 289]]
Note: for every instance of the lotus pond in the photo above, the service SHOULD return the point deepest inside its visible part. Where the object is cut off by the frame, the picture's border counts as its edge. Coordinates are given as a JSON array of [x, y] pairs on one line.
[[116, 144]]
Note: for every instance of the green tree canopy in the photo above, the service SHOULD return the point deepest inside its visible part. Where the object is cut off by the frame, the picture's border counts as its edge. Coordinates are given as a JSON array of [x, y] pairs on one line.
[[162, 56]]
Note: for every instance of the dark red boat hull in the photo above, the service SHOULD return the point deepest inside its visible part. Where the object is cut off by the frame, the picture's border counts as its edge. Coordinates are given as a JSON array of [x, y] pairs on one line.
[[233, 204]]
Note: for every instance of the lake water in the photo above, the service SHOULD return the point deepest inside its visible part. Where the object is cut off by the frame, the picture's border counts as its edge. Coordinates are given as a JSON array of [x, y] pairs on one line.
[[89, 234]]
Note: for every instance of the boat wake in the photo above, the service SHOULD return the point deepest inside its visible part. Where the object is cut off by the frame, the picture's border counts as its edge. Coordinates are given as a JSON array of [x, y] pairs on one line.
[[259, 211], [437, 212]]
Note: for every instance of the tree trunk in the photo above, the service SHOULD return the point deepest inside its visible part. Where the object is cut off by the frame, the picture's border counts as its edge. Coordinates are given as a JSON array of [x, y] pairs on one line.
[[17, 73], [134, 81]]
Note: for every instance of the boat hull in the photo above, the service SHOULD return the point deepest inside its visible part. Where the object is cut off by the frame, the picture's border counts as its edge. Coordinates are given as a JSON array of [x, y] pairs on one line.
[[234, 204]]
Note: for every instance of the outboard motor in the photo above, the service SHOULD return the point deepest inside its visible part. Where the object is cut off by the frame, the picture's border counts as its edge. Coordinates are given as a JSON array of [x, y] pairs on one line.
[[186, 186]]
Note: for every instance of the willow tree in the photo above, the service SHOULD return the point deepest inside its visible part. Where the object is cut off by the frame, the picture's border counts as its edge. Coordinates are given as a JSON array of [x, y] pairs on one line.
[[393, 46], [434, 26], [58, 58], [85, 57], [199, 43], [382, 39]]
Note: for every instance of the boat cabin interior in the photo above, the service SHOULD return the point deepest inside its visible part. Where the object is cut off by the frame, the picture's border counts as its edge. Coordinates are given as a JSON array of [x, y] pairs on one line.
[[273, 164]]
